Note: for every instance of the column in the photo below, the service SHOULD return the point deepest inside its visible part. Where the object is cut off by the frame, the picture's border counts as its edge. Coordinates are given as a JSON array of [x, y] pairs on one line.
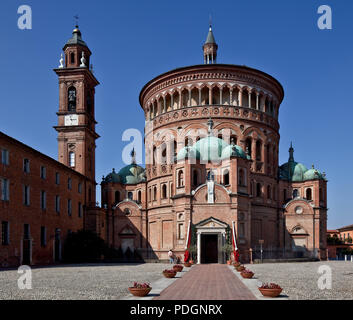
[[198, 247], [221, 96], [240, 97], [253, 151], [210, 96], [249, 104], [180, 98], [165, 104], [172, 101], [200, 97], [189, 102], [230, 96], [257, 101]]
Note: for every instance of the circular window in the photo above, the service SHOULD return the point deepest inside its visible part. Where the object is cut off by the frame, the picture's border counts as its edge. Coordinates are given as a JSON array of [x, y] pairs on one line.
[[127, 212], [298, 210]]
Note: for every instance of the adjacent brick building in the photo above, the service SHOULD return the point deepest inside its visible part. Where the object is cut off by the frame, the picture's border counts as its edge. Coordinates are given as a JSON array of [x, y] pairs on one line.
[[42, 200]]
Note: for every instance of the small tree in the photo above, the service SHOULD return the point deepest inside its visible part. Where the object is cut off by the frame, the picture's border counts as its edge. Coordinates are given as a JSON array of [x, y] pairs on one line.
[[227, 249], [193, 251]]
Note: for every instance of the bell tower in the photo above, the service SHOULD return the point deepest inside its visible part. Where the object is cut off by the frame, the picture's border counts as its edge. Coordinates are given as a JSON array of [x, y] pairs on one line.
[[76, 120]]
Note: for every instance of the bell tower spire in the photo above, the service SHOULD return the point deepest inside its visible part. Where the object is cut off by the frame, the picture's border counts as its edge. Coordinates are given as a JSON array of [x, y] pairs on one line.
[[210, 48], [76, 115]]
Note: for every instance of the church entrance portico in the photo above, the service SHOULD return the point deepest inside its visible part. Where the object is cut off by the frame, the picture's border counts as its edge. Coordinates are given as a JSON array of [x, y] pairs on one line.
[[211, 236]]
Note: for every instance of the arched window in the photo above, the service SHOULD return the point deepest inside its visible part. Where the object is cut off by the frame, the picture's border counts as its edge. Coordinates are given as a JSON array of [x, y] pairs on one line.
[[248, 146], [71, 97], [258, 150], [117, 196], [274, 193], [309, 194], [72, 57], [164, 153], [258, 190], [284, 195], [295, 193], [171, 189], [241, 178], [269, 195], [139, 196], [226, 177], [154, 155], [251, 188], [130, 195], [72, 159], [180, 178], [149, 195], [164, 191], [320, 195], [154, 193], [175, 147], [195, 178]]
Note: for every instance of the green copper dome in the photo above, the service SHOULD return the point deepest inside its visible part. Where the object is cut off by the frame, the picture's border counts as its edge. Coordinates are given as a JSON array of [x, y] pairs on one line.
[[112, 177], [233, 151], [297, 172], [210, 148], [132, 174], [313, 174], [188, 152]]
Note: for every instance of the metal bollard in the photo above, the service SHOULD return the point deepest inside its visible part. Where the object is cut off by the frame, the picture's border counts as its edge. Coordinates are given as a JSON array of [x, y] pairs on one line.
[[345, 257]]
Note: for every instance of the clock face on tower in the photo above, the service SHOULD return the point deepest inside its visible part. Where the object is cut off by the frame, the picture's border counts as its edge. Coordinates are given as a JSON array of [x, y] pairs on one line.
[[71, 120]]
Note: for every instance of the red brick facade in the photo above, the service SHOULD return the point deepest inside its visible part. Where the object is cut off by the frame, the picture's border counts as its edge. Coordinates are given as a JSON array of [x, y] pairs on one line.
[[265, 205]]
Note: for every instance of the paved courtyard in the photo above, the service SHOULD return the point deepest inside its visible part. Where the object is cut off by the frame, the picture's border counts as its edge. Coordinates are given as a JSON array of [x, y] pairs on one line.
[[80, 282], [110, 281], [300, 280]]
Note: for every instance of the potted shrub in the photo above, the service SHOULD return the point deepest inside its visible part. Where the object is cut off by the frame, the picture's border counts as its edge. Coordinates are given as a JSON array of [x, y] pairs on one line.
[[178, 268], [247, 274], [227, 249], [270, 290], [236, 264], [169, 273], [240, 268], [140, 289], [187, 264]]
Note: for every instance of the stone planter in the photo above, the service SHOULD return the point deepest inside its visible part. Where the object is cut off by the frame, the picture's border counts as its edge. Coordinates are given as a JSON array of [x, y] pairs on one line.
[[270, 292], [236, 264], [247, 275], [178, 268], [240, 268], [169, 274], [140, 292]]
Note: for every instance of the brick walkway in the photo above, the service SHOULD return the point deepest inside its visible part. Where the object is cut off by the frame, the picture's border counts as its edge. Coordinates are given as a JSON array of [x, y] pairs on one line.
[[207, 282]]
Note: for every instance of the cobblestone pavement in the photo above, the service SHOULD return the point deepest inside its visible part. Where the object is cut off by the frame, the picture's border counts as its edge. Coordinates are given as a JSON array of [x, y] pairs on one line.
[[300, 280], [82, 282]]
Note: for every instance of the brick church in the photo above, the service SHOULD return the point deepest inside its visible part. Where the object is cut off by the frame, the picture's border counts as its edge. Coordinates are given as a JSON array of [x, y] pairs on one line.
[[211, 151]]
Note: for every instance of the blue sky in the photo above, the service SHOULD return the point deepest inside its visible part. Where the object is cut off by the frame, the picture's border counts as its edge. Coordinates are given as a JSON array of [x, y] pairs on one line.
[[134, 41]]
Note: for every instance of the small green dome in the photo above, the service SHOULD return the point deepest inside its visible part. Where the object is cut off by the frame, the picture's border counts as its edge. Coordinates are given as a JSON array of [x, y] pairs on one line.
[[313, 174], [132, 174], [292, 171], [112, 177], [233, 151], [210, 148], [189, 152]]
